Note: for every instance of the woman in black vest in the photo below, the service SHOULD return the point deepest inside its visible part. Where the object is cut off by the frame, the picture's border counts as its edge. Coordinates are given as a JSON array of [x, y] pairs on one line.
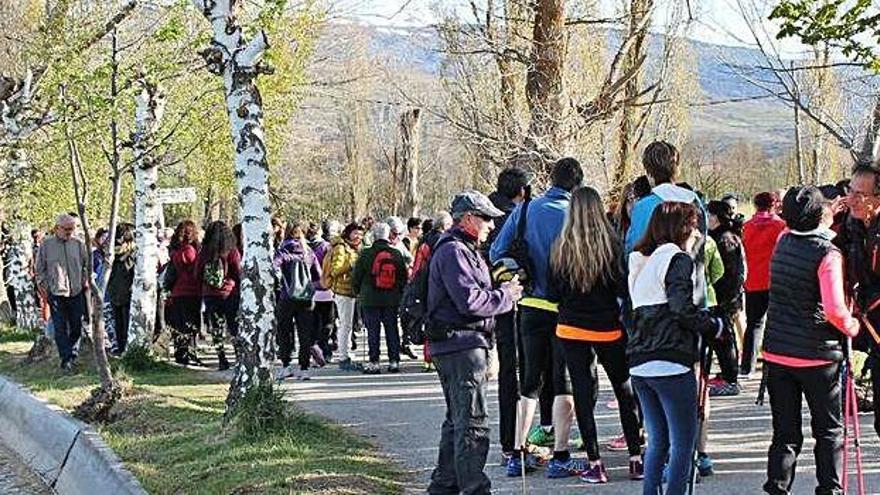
[[807, 321]]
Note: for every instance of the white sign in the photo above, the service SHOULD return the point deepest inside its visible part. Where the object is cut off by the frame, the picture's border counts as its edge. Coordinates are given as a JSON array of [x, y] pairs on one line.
[[176, 195]]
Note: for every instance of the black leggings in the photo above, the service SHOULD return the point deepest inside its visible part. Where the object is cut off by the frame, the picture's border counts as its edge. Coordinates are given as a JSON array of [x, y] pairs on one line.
[[543, 355], [121, 318], [301, 317], [726, 351], [580, 359], [325, 324], [756, 317]]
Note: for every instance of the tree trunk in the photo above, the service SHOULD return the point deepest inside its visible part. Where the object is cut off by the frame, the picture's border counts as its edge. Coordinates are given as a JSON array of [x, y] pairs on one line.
[[148, 114], [870, 153], [798, 152], [21, 277], [407, 159], [628, 118], [239, 62], [544, 85]]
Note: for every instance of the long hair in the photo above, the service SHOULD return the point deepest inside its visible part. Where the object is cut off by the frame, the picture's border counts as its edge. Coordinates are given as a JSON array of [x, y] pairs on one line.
[[294, 230], [219, 241], [588, 250], [672, 222], [186, 234]]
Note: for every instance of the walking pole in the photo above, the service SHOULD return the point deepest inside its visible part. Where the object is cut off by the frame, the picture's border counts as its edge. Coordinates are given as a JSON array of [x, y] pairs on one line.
[[845, 377], [702, 391], [851, 414]]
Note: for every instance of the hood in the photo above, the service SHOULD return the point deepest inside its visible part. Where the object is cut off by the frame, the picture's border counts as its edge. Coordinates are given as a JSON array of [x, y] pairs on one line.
[[671, 192], [292, 246]]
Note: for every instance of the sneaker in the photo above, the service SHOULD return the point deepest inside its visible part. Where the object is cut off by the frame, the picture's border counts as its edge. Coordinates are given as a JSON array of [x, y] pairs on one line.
[[318, 355], [636, 470], [595, 475], [394, 367], [704, 465], [408, 352], [67, 367], [429, 367], [725, 390], [505, 457], [541, 437], [565, 469], [372, 369], [613, 404], [515, 466], [303, 375], [284, 372], [716, 382], [617, 443], [541, 455], [349, 365]]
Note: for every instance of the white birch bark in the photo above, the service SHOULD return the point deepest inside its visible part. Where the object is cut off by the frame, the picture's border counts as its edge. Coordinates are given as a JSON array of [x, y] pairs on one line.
[[149, 104], [238, 61], [21, 257]]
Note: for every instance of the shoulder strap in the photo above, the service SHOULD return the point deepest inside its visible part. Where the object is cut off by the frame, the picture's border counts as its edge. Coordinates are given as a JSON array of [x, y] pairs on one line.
[[521, 225]]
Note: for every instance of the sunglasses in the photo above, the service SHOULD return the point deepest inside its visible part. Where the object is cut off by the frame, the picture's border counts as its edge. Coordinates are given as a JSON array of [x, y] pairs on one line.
[[482, 216]]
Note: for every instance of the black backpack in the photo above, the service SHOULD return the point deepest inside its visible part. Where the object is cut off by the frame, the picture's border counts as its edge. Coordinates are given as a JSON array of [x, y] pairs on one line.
[[296, 280], [515, 260], [414, 303]]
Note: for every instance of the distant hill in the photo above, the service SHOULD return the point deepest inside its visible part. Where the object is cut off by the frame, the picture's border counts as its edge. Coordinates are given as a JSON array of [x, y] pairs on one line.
[[766, 121]]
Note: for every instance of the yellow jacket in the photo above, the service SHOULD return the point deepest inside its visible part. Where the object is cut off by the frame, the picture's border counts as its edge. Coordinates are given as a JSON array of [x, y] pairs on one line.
[[342, 260]]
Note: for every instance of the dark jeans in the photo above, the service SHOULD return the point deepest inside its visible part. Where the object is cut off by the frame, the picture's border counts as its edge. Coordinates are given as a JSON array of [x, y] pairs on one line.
[[295, 316], [121, 318], [580, 358], [464, 436], [669, 406], [325, 325], [756, 318], [821, 387], [67, 316], [543, 354], [508, 384], [374, 319]]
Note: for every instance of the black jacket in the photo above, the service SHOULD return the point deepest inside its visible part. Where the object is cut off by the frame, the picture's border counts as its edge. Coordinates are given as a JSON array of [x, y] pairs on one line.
[[597, 310], [670, 331], [729, 288]]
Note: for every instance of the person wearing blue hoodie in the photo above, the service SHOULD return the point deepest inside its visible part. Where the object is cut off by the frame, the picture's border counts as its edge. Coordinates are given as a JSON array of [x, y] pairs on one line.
[[543, 353]]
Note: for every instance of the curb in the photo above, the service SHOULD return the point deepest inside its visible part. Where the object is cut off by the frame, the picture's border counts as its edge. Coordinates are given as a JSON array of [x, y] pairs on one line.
[[67, 454]]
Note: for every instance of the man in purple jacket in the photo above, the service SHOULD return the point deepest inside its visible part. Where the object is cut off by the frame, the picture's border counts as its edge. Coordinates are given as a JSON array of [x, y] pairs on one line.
[[462, 305]]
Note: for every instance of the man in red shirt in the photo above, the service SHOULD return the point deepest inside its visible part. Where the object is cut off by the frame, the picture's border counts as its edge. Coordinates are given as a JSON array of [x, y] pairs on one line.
[[760, 234]]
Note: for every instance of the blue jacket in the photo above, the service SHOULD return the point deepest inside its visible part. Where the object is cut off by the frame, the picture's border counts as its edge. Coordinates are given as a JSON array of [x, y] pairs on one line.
[[641, 217], [544, 220], [641, 214], [461, 296]]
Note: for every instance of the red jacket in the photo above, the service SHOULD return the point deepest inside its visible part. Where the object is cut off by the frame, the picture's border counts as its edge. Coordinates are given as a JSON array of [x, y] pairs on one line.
[[187, 283], [232, 267], [760, 234]]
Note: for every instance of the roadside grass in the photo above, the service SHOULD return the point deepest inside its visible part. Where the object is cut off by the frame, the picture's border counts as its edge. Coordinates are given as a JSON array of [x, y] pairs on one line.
[[168, 431]]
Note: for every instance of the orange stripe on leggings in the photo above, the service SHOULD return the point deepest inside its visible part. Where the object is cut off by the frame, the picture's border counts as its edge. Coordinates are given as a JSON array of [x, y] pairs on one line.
[[575, 333]]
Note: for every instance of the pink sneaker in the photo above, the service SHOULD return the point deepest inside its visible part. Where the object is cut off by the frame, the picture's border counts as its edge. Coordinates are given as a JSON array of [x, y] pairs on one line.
[[613, 404], [595, 475], [617, 443]]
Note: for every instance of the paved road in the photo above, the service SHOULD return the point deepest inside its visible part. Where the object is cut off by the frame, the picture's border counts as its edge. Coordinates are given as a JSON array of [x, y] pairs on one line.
[[16, 479], [402, 414]]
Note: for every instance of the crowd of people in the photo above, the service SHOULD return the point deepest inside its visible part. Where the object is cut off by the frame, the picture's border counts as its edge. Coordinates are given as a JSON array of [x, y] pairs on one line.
[[539, 290]]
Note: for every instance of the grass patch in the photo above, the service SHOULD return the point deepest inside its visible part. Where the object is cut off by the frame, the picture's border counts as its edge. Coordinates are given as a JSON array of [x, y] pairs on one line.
[[13, 334], [168, 431]]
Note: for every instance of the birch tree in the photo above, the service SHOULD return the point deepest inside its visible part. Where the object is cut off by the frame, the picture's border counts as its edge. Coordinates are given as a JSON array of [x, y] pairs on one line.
[[239, 61], [21, 277], [149, 105]]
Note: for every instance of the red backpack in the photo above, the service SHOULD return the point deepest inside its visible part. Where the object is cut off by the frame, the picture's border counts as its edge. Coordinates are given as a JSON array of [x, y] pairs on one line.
[[384, 271]]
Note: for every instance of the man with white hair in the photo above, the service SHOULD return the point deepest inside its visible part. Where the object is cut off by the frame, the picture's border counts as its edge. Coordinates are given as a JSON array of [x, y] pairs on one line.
[[378, 279], [62, 271]]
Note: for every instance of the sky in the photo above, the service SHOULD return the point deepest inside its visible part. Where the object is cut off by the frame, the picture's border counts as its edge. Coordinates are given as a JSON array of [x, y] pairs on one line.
[[716, 21]]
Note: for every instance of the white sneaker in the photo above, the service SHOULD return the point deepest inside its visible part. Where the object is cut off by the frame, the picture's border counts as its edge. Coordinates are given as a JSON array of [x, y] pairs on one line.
[[284, 372], [303, 375]]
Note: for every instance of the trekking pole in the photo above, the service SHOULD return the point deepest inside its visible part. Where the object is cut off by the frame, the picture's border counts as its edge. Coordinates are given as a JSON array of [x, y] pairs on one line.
[[702, 391], [522, 467], [852, 414], [845, 461]]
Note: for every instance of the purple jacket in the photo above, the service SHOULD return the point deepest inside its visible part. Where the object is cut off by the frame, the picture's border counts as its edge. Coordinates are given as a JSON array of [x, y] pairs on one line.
[[461, 297], [291, 249]]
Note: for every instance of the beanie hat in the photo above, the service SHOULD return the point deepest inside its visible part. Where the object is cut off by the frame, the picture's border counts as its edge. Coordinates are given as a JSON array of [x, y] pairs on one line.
[[802, 208]]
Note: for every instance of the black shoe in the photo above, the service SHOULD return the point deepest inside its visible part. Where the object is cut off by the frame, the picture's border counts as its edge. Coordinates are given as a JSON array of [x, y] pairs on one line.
[[191, 356], [408, 352], [181, 358], [354, 344], [223, 364]]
